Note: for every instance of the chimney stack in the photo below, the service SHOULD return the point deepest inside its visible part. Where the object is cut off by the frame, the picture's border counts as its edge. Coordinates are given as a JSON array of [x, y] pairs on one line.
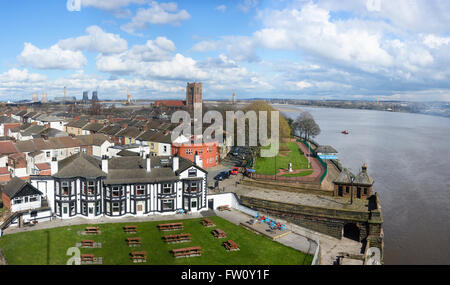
[[148, 163], [105, 163], [54, 166], [198, 160], [175, 163]]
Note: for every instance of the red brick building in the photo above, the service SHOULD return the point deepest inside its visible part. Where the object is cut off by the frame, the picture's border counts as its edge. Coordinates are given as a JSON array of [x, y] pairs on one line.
[[208, 152]]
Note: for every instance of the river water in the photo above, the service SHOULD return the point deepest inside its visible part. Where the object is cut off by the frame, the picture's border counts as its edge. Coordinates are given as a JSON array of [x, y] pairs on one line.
[[408, 156]]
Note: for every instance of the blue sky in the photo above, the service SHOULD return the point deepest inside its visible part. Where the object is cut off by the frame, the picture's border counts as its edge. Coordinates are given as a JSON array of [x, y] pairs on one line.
[[322, 49]]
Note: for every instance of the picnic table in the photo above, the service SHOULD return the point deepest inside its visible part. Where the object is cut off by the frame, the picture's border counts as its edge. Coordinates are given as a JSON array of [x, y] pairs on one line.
[[207, 222], [224, 208], [92, 230], [170, 227], [135, 241], [130, 229], [139, 256], [87, 258], [218, 233], [231, 245], [187, 252], [177, 238], [87, 243]]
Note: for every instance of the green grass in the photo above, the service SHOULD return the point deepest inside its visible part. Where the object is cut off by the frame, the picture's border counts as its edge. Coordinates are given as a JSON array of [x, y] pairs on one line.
[[50, 246], [300, 174], [266, 165]]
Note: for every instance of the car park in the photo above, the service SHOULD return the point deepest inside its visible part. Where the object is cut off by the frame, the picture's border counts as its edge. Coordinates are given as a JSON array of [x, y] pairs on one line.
[[222, 175]]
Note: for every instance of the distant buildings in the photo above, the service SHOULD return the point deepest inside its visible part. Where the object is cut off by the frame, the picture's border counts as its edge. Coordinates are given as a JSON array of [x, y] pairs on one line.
[[94, 96]]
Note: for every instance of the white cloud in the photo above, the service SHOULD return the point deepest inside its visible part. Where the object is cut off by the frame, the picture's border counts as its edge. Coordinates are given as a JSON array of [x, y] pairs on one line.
[[164, 13], [51, 58], [108, 4], [435, 42], [247, 5], [221, 8], [97, 40], [15, 75]]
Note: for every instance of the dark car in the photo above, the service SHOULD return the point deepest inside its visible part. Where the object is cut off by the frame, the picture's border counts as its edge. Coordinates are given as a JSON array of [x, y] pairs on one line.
[[222, 175]]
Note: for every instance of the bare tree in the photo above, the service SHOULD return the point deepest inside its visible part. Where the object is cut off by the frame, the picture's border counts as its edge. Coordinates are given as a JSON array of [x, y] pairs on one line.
[[306, 126]]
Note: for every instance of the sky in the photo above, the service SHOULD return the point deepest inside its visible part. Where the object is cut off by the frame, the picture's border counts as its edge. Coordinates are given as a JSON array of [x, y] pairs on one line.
[[297, 49]]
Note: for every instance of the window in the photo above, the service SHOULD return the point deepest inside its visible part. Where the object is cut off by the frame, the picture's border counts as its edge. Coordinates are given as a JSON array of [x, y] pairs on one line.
[[117, 191], [167, 188], [167, 205], [189, 151], [26, 199], [365, 191], [83, 208], [33, 199], [165, 148], [18, 201], [193, 187], [347, 190], [98, 210], [65, 188], [91, 187], [200, 151], [116, 208], [194, 204], [33, 214], [192, 173], [47, 154], [140, 190]]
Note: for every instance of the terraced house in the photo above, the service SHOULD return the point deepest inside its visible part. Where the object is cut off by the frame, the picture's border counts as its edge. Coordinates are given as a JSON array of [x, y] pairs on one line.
[[83, 186]]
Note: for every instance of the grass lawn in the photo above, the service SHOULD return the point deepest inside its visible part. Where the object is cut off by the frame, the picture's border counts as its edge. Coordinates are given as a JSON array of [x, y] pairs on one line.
[[50, 246], [266, 165], [300, 174]]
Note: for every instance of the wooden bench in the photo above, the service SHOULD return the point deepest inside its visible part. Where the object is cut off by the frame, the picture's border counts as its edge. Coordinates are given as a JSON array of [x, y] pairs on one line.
[[218, 233], [171, 227], [139, 256], [187, 252], [130, 229], [87, 243], [224, 208], [177, 238], [91, 230], [137, 241], [207, 223], [231, 245], [87, 258]]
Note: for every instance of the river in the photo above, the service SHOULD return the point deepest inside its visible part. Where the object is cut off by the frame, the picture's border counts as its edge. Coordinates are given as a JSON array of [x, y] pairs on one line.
[[408, 157]]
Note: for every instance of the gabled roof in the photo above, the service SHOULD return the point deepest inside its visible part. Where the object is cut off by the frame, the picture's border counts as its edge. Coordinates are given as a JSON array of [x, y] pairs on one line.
[[94, 127], [19, 188], [131, 132], [33, 129], [345, 177], [6, 120], [77, 123], [110, 130], [79, 165], [93, 139], [7, 147]]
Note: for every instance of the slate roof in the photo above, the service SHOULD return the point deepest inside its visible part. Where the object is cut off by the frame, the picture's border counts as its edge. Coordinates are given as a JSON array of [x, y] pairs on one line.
[[17, 187], [93, 127], [129, 132], [127, 153], [33, 129], [93, 139], [110, 130], [6, 120], [345, 177], [77, 123], [80, 165], [363, 177], [326, 149]]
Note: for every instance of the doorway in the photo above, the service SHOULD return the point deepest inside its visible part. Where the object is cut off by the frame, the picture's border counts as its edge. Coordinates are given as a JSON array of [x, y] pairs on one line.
[[351, 231]]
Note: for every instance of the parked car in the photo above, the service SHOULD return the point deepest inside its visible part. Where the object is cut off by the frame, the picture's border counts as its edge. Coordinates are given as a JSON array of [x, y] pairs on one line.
[[236, 151], [222, 175], [235, 171]]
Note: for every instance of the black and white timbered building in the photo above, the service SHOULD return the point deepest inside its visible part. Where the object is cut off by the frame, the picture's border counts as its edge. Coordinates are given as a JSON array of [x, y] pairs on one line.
[[84, 186]]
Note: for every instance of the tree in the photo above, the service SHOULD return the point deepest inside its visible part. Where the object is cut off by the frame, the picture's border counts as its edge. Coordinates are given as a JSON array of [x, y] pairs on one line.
[[306, 126]]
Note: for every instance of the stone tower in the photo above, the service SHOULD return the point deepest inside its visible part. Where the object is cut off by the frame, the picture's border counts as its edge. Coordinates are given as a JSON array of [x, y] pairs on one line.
[[193, 94]]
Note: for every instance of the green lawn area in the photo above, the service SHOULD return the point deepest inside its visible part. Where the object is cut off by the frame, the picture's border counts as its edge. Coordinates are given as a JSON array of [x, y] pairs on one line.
[[50, 246], [266, 165], [300, 174]]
